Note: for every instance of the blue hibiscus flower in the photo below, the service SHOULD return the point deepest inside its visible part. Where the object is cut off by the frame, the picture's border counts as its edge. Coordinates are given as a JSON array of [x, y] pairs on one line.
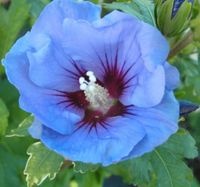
[[100, 89]]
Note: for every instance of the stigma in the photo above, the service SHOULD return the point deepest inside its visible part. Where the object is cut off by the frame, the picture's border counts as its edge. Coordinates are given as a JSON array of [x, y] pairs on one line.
[[97, 96]]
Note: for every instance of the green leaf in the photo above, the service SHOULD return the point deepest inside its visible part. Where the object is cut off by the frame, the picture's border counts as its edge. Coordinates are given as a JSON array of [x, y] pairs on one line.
[[12, 161], [36, 7], [10, 96], [11, 23], [142, 9], [9, 168], [194, 120], [63, 179], [83, 167], [195, 25], [42, 163], [22, 129], [189, 70], [133, 171], [167, 161], [182, 144], [90, 179], [163, 167], [195, 22], [195, 183], [3, 117], [170, 171]]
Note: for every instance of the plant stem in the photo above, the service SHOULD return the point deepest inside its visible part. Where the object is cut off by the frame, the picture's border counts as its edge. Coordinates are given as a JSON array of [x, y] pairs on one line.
[[186, 40], [66, 164]]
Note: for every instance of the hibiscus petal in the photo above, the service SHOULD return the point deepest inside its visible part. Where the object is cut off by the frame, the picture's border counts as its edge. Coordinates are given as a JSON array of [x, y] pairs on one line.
[[149, 90], [120, 41], [153, 46], [49, 68], [112, 18], [172, 76], [51, 19], [97, 45], [97, 146], [35, 99], [68, 39], [36, 129], [159, 123]]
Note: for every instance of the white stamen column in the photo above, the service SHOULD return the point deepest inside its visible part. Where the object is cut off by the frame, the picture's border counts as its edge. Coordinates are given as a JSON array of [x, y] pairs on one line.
[[96, 95]]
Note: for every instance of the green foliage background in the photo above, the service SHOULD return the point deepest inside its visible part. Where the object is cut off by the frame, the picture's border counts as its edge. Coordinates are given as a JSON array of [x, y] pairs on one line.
[[170, 165]]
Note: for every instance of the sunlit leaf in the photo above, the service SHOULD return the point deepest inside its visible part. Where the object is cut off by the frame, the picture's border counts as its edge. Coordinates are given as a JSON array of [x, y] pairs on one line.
[[22, 129], [83, 167], [42, 163], [143, 9]]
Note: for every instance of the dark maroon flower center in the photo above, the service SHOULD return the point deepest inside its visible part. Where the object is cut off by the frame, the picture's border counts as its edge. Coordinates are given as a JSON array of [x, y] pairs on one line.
[[93, 117], [114, 81]]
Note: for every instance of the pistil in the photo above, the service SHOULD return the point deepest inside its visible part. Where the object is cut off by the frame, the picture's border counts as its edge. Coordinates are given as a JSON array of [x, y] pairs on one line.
[[96, 95]]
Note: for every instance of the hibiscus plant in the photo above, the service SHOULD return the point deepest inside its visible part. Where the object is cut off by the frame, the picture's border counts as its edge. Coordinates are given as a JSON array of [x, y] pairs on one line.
[[99, 93]]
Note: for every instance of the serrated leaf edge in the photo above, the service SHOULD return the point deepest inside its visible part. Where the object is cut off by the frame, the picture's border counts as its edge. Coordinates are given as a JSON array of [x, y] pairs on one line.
[[20, 125], [48, 175]]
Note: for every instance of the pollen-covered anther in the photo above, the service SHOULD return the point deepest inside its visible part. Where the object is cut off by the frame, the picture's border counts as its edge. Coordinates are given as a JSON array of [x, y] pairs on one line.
[[96, 95]]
